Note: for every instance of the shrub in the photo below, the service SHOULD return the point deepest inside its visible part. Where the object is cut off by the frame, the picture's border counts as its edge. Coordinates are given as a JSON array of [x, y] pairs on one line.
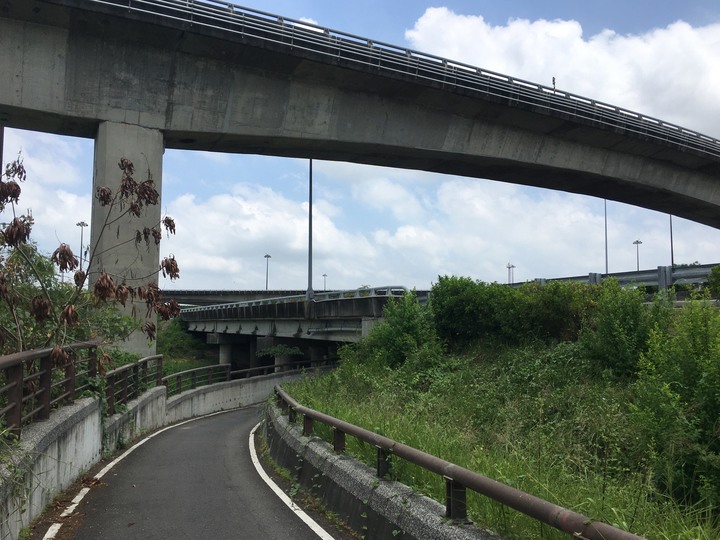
[[615, 333], [677, 404], [406, 327], [714, 281]]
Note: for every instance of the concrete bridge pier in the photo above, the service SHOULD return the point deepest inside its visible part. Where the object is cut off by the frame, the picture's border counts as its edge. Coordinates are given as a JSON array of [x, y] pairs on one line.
[[113, 249], [236, 350], [320, 352], [246, 353]]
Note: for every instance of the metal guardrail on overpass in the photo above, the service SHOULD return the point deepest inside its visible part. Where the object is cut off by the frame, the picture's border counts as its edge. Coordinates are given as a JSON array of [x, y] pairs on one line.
[[287, 306], [354, 51], [662, 277]]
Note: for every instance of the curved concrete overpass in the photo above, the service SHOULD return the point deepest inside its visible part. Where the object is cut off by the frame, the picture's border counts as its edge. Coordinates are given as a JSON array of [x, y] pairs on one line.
[[212, 76]]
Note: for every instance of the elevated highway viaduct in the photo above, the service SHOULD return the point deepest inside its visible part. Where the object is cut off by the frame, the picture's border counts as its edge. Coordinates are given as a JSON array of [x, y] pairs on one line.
[[140, 76]]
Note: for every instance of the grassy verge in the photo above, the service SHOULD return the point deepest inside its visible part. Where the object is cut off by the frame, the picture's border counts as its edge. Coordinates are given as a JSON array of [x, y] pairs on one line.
[[538, 418]]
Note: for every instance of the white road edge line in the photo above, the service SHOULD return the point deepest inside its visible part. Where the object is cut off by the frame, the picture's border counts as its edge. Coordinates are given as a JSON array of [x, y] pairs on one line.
[[55, 527], [310, 522]]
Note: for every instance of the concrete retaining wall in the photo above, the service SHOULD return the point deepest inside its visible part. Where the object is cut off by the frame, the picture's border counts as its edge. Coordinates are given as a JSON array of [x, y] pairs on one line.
[[52, 454], [376, 508], [47, 459]]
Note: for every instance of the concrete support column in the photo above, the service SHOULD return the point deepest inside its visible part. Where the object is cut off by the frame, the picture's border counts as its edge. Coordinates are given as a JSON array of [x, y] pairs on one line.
[[317, 354], [247, 353], [226, 353], [114, 248], [281, 361]]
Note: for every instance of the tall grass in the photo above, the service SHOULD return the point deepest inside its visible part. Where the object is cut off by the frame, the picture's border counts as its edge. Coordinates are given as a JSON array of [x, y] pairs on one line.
[[548, 419]]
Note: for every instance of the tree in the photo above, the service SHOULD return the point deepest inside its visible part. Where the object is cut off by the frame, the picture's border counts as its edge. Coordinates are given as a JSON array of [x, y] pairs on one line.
[[37, 310]]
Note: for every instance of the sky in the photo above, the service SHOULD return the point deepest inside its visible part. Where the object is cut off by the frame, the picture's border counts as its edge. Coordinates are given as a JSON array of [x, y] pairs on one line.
[[374, 226]]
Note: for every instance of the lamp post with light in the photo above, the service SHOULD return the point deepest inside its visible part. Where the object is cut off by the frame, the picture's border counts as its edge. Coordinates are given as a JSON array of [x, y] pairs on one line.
[[82, 226], [511, 273], [267, 269], [324, 282], [637, 248]]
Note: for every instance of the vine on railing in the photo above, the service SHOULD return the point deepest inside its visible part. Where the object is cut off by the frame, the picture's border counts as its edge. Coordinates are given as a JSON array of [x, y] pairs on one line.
[[457, 479]]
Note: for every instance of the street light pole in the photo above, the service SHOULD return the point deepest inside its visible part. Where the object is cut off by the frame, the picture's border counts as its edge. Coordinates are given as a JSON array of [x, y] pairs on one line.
[[310, 293], [637, 247], [82, 226], [672, 252], [267, 269], [324, 282]]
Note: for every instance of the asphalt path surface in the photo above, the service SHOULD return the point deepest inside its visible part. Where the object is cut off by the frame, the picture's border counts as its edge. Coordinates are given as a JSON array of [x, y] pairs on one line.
[[194, 481]]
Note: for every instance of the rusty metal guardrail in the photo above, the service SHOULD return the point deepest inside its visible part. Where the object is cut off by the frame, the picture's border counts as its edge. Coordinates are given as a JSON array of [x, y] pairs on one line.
[[130, 381], [177, 383], [457, 479], [355, 51], [32, 385]]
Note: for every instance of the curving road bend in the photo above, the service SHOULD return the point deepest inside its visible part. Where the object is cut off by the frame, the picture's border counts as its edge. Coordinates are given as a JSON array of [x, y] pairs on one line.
[[193, 481]]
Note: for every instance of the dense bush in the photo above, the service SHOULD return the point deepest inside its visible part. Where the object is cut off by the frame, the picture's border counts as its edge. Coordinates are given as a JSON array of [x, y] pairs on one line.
[[677, 405], [616, 331], [466, 311], [174, 341], [406, 328], [714, 281]]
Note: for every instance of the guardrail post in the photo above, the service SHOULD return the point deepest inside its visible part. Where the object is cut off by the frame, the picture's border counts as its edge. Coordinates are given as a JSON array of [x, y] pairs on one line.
[[307, 425], [70, 379], [110, 395], [124, 387], [92, 362], [338, 440], [455, 500], [13, 417], [178, 384], [45, 386], [292, 415], [159, 371], [383, 462], [193, 380], [143, 380], [135, 383]]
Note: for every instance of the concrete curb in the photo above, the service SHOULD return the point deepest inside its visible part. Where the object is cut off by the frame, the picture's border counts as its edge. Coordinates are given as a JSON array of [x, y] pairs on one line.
[[374, 507]]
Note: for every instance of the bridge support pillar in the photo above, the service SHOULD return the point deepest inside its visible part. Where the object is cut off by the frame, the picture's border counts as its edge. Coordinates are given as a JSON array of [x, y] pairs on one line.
[[226, 353], [114, 250], [247, 353]]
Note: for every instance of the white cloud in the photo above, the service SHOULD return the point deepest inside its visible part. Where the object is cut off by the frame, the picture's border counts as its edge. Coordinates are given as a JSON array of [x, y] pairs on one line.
[[671, 73]]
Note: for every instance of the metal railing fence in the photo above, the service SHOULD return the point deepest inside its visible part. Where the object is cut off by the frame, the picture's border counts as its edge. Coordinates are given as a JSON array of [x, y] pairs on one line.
[[457, 479], [32, 383], [348, 50], [195, 312], [177, 383], [130, 381]]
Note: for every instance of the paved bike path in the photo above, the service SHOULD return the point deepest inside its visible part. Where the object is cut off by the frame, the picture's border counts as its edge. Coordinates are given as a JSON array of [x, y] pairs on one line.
[[194, 481]]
